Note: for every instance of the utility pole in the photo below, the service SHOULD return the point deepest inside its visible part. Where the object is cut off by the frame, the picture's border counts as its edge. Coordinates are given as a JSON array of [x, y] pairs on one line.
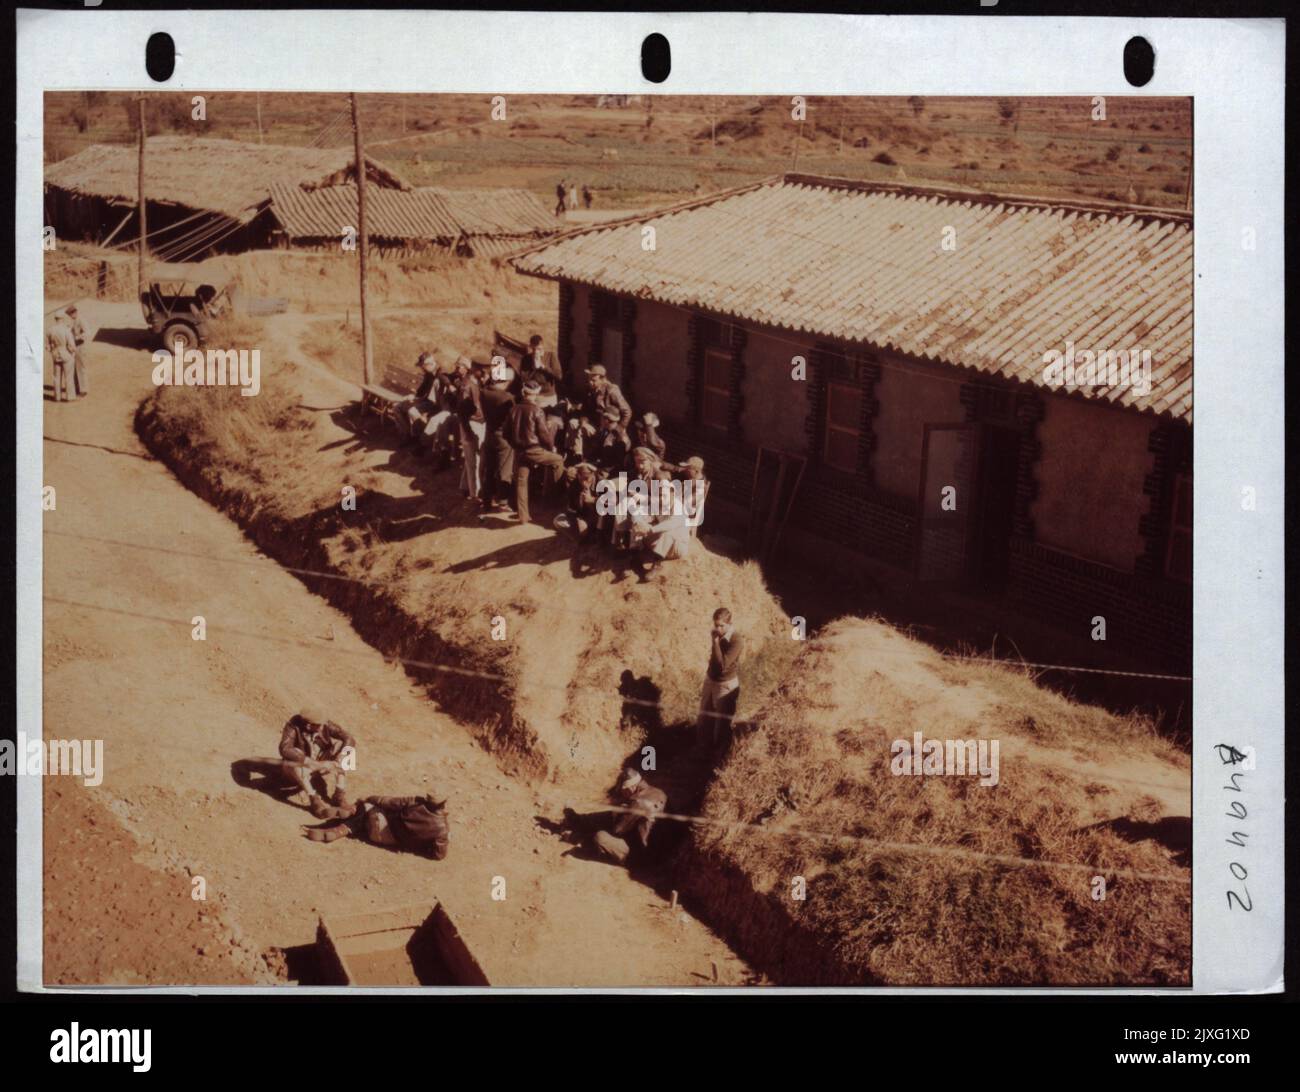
[[840, 154], [259, 117], [139, 198], [367, 355], [798, 139]]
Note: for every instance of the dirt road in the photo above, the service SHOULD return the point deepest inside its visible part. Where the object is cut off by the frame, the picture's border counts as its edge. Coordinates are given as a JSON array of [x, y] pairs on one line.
[[127, 568]]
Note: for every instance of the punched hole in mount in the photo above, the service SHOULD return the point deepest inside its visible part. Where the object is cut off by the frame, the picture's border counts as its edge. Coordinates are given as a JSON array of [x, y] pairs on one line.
[[160, 56], [656, 58], [1139, 61]]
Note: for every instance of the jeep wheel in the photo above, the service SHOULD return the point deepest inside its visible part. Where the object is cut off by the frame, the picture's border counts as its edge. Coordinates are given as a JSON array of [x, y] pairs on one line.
[[181, 332]]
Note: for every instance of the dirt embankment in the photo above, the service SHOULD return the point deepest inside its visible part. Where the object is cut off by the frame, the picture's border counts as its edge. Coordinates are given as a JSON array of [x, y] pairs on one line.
[[827, 866]]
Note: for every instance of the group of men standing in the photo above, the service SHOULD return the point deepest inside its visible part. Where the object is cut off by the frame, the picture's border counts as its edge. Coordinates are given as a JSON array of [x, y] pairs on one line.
[[502, 424], [64, 339]]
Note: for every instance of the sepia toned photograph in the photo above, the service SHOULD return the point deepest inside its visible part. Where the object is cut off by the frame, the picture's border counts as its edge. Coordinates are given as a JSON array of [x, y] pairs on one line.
[[618, 541]]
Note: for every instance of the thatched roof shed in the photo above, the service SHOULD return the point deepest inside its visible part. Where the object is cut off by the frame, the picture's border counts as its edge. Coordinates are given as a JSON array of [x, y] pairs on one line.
[[232, 177]]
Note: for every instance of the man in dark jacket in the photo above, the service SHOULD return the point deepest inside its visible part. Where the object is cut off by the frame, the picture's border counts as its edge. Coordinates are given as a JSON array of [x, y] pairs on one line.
[[418, 824], [498, 456], [541, 366], [415, 823], [630, 832], [611, 445], [530, 433], [601, 394], [424, 403], [311, 744]]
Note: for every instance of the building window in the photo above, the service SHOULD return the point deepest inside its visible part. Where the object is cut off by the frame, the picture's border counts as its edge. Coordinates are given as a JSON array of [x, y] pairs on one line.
[[1178, 560], [843, 426], [715, 400]]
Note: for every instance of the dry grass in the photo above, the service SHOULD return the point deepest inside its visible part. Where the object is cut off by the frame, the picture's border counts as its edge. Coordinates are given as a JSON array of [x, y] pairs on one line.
[[820, 762]]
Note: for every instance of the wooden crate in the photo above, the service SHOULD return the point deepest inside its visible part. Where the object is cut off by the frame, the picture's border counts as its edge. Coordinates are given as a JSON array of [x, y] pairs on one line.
[[408, 946]]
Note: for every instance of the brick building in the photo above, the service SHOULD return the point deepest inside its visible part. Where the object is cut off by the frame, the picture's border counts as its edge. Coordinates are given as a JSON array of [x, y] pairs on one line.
[[897, 340]]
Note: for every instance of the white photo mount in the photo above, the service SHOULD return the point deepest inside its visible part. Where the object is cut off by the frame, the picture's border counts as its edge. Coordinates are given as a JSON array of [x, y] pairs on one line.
[[1232, 70]]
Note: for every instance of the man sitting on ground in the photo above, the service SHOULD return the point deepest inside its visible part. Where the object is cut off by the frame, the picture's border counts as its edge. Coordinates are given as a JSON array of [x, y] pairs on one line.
[[311, 744], [579, 517], [630, 832], [663, 535]]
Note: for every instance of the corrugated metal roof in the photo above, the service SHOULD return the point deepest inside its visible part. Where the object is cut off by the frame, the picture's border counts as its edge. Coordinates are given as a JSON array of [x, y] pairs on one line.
[[865, 263], [506, 219], [232, 177]]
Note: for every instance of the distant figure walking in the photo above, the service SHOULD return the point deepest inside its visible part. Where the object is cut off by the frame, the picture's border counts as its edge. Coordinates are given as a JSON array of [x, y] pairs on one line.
[[722, 680], [561, 193], [586, 197], [571, 200]]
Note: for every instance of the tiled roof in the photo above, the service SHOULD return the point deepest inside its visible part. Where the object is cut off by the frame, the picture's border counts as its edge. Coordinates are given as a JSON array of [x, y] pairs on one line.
[[866, 263], [232, 177], [423, 213]]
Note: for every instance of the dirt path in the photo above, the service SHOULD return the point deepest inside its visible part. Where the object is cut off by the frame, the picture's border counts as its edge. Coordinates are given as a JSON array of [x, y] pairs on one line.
[[126, 570]]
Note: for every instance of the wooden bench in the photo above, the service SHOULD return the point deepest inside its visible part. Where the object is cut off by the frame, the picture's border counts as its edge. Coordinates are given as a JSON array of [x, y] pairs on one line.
[[385, 398]]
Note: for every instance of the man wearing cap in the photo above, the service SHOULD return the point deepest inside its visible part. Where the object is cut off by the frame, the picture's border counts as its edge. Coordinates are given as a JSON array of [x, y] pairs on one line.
[[79, 385], [695, 488], [611, 444], [498, 457], [312, 744], [62, 345], [440, 431], [645, 433], [579, 517], [423, 403], [602, 394], [661, 535], [630, 832], [533, 439]]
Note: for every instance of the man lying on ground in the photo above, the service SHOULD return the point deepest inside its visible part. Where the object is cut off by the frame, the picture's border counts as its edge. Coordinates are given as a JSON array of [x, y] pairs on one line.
[[311, 745], [418, 824]]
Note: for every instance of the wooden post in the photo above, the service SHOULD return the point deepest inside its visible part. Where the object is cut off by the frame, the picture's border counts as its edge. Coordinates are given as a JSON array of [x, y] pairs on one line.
[[798, 139], [259, 117], [140, 201], [367, 355]]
